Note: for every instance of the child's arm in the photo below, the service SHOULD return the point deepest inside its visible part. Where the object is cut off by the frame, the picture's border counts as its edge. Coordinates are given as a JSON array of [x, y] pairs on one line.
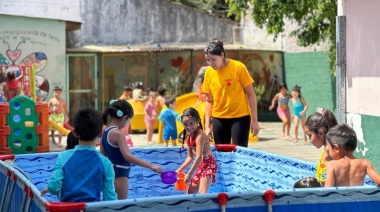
[[161, 115], [306, 106], [372, 173], [198, 157], [275, 98], [102, 150], [65, 109], [124, 149], [177, 117], [188, 160], [330, 174]]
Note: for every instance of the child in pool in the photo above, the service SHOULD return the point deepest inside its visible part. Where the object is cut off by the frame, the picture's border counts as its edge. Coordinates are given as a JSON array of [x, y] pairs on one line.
[[344, 169], [283, 113], [299, 108], [83, 174], [308, 182], [316, 127], [115, 147], [204, 167]]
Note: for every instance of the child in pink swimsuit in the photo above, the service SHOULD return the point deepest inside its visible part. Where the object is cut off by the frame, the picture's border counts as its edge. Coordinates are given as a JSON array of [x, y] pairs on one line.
[[283, 113], [203, 170], [150, 116]]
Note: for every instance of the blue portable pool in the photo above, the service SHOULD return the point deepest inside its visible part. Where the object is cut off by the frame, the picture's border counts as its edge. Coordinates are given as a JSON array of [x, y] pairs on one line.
[[252, 179]]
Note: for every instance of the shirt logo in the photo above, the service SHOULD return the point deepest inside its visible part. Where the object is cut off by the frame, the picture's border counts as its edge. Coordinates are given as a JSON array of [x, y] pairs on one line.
[[228, 82]]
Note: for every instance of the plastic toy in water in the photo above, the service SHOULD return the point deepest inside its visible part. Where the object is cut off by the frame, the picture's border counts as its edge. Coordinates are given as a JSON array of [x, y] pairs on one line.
[[169, 177], [180, 185]]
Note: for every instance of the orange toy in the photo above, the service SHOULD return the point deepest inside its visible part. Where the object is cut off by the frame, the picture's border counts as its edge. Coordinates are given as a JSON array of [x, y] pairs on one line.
[[180, 185]]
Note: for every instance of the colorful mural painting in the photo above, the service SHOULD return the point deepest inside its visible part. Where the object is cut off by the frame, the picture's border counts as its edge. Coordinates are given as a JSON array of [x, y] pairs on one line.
[[177, 70], [27, 43], [37, 59]]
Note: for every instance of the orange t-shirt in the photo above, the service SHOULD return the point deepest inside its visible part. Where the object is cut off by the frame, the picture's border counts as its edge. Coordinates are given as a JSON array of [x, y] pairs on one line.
[[226, 86]]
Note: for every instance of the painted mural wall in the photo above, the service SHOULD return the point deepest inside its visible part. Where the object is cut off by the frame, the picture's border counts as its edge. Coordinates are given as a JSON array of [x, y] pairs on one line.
[[32, 41], [177, 70], [363, 76]]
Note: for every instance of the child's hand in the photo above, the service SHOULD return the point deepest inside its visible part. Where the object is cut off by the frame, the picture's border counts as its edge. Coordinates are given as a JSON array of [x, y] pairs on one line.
[[270, 107], [187, 178], [156, 169], [302, 113], [44, 191]]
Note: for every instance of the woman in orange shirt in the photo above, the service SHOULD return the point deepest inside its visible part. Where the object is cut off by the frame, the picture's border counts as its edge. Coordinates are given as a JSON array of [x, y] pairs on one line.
[[230, 98]]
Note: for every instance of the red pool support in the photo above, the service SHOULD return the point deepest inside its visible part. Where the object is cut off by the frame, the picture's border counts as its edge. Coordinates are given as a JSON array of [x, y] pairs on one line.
[[225, 147], [268, 198], [7, 157], [222, 200], [64, 206]]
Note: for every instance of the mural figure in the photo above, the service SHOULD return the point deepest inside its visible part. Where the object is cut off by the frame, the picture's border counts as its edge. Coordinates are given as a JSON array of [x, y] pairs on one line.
[[36, 59]]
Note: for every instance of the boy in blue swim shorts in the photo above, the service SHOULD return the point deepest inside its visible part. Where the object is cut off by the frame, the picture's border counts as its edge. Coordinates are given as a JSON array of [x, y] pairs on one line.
[[168, 116]]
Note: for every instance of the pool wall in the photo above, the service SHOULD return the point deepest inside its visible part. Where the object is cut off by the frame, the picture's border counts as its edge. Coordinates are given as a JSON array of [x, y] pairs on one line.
[[244, 175]]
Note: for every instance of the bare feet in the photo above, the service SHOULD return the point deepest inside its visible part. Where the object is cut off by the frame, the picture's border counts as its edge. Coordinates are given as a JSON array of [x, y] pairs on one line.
[[295, 140], [289, 137], [149, 142]]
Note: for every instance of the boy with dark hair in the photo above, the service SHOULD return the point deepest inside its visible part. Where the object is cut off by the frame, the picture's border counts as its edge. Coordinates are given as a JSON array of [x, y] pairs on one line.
[[344, 169], [168, 116], [83, 173], [126, 93]]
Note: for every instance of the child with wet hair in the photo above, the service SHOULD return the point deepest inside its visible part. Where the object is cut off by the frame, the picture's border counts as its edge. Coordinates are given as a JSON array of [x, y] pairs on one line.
[[307, 182], [317, 126], [203, 170], [114, 145], [345, 169]]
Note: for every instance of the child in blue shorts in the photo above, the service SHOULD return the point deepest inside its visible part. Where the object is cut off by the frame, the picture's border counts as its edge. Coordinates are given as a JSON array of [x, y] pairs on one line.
[[168, 116]]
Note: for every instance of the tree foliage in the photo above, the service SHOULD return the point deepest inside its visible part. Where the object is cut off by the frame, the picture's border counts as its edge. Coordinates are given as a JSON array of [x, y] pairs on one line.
[[219, 8], [315, 19]]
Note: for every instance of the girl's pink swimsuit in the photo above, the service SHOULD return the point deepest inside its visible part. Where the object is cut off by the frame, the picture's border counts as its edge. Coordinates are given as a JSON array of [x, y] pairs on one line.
[[208, 166], [149, 108]]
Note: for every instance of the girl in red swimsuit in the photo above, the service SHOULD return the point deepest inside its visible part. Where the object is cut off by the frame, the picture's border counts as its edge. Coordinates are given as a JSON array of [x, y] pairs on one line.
[[203, 171]]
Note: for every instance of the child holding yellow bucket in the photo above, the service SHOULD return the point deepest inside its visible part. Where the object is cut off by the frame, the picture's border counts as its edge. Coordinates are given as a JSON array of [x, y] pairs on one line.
[[203, 170]]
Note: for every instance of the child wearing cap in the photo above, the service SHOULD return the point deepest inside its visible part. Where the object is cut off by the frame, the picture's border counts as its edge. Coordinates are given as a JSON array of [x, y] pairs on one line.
[[57, 107]]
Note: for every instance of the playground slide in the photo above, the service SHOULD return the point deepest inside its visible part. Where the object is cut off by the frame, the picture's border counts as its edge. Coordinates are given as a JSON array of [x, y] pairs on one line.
[[186, 101], [59, 128]]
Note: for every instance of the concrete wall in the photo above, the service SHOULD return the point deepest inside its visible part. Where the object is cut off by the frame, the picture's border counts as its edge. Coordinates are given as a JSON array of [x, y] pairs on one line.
[[363, 56], [363, 75], [131, 22], [25, 41], [67, 10], [258, 38], [311, 71]]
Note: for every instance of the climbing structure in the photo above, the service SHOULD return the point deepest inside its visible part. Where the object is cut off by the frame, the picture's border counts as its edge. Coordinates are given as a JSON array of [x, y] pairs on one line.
[[24, 126]]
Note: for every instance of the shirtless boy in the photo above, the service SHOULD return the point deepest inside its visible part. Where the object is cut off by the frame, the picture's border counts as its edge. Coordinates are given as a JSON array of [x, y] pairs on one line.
[[57, 106], [344, 169]]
